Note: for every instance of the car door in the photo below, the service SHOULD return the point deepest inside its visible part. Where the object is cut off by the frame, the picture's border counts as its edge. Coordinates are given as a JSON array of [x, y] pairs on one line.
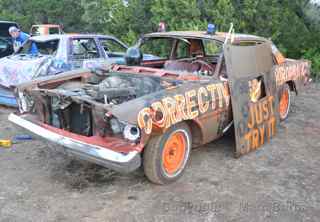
[[253, 94], [85, 53], [114, 50]]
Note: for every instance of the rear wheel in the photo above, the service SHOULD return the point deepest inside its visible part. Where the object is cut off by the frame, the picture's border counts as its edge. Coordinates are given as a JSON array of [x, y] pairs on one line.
[[284, 102], [165, 157]]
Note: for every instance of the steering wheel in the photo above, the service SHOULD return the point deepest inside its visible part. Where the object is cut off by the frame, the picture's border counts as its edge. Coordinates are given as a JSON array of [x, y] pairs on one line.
[[205, 66]]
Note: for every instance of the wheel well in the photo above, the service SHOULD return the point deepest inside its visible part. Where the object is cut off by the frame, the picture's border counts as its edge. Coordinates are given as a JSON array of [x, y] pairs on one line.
[[196, 131]]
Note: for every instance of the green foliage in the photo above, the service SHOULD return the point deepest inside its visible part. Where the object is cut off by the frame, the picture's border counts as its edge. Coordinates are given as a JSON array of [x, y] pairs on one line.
[[314, 56], [294, 25], [29, 12], [178, 15]]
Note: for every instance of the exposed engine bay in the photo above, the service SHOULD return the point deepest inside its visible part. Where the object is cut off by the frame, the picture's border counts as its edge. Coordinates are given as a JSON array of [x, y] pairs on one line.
[[114, 89], [80, 106], [117, 88]]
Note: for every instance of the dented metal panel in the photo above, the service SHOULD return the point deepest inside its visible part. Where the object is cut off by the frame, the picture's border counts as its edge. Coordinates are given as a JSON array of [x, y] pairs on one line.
[[253, 95]]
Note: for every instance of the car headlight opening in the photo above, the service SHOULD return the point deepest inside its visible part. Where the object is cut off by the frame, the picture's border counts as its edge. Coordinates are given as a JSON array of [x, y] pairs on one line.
[[116, 126], [131, 133]]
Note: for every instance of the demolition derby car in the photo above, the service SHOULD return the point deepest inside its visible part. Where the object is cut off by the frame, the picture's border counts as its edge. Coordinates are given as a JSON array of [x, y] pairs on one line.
[[53, 54], [151, 113]]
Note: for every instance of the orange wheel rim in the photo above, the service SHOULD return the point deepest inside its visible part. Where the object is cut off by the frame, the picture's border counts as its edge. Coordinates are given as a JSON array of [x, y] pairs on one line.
[[284, 103], [174, 152]]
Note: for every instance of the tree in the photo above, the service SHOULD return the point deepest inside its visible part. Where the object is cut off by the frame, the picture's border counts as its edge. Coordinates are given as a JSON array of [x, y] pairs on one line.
[[294, 25], [178, 15], [29, 12]]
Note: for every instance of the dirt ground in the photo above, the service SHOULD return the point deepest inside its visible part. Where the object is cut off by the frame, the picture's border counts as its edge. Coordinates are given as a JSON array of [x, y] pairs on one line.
[[280, 182]]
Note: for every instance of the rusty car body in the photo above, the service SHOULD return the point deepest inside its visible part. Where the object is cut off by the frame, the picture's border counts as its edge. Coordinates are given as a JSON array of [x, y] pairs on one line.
[[56, 54], [153, 114]]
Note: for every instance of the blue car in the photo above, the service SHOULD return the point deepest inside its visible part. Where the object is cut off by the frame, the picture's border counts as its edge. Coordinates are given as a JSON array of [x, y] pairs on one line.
[[53, 54]]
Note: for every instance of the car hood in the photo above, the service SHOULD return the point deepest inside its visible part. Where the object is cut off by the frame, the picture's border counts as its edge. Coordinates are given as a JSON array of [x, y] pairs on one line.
[[16, 69], [128, 111]]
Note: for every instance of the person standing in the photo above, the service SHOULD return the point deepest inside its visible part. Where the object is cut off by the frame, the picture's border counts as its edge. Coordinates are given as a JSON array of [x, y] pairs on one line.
[[19, 37], [162, 27]]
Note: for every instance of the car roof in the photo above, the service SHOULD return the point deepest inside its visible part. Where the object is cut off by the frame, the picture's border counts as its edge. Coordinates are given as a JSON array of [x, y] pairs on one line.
[[43, 38], [46, 25], [218, 36]]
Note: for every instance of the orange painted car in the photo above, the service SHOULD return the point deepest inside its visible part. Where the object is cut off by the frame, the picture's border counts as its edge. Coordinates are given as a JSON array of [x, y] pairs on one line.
[[154, 110], [45, 29]]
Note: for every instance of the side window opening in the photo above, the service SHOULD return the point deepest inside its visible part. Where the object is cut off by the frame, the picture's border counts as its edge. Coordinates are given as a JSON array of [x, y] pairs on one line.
[[182, 51], [54, 30], [257, 89], [44, 48], [157, 48], [112, 48], [35, 31], [196, 48], [84, 49], [211, 47]]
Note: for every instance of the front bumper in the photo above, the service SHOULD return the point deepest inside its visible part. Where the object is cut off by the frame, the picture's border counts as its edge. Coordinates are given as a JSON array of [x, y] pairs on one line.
[[120, 162]]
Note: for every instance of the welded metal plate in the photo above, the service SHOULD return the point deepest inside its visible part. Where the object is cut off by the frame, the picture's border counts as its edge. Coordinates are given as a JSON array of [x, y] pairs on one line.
[[253, 94]]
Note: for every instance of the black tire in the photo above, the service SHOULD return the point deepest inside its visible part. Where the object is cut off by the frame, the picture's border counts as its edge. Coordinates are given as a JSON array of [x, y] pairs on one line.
[[284, 113], [153, 155]]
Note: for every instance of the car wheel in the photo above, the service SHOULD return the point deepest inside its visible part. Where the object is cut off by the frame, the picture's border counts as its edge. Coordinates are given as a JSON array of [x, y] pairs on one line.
[[165, 157], [284, 102]]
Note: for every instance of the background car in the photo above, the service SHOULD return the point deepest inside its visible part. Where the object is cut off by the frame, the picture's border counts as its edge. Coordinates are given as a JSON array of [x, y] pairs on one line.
[[52, 54], [45, 29], [6, 47]]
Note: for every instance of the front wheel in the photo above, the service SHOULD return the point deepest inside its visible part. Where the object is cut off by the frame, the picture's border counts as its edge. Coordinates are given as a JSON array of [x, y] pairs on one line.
[[284, 102], [165, 157]]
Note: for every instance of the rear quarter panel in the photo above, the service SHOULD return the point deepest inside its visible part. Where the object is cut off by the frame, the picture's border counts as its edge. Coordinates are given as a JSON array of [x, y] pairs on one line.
[[294, 71]]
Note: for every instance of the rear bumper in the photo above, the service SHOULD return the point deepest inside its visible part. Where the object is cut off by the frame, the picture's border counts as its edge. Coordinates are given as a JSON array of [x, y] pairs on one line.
[[120, 162]]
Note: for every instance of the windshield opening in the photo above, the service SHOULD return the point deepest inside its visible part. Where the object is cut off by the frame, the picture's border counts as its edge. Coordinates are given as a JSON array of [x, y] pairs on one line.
[[157, 48], [44, 48]]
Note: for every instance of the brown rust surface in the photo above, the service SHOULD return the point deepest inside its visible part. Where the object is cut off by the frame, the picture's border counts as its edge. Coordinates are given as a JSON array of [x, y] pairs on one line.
[[255, 120]]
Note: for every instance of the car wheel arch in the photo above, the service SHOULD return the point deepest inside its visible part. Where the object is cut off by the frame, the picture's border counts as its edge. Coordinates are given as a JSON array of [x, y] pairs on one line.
[[195, 129], [196, 132]]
